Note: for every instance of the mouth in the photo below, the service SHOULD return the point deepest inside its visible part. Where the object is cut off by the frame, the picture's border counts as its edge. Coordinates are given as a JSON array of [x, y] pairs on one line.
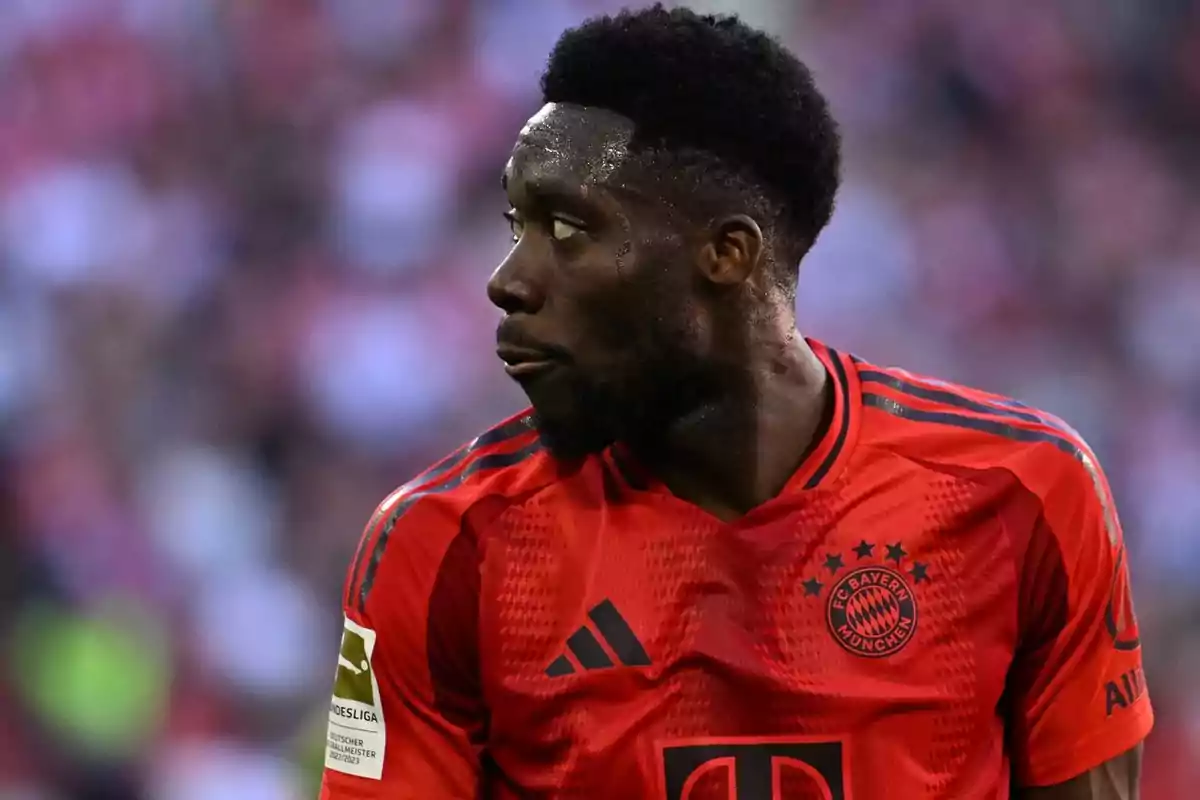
[[521, 362]]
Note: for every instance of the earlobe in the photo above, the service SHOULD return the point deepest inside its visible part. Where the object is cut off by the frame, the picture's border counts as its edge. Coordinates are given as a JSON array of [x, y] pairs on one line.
[[733, 250]]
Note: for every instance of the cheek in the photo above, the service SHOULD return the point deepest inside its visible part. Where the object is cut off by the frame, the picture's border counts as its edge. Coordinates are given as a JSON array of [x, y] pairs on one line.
[[619, 330], [629, 303], [649, 329]]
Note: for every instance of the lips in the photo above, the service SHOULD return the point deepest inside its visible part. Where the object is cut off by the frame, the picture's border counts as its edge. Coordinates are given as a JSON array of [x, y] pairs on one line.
[[523, 362]]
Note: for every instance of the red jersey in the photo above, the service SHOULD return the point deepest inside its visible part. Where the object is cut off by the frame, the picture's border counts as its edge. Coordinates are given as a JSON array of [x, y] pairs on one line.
[[936, 604]]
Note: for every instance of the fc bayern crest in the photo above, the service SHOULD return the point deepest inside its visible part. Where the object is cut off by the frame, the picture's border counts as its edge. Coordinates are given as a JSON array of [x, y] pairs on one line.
[[872, 612], [871, 609]]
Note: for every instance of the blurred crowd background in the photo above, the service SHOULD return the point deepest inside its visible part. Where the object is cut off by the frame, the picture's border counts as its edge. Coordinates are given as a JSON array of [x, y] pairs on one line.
[[243, 248]]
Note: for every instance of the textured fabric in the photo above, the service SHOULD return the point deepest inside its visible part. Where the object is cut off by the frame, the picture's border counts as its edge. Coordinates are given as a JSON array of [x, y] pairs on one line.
[[936, 600]]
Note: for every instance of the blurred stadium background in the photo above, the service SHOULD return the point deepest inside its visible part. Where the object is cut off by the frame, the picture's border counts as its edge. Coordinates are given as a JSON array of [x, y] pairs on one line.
[[242, 255]]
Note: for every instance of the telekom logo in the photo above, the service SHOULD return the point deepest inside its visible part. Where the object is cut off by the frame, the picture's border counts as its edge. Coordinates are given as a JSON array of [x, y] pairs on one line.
[[754, 766]]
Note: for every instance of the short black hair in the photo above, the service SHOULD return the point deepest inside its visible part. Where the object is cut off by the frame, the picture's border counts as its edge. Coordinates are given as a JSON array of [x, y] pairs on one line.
[[712, 84]]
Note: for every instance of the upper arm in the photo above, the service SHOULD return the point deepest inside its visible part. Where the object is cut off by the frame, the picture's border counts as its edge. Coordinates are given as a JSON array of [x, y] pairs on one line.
[[392, 732], [1115, 779], [1077, 690]]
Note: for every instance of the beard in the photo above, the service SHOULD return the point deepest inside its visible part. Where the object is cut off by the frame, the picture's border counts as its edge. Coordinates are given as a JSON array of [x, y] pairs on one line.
[[653, 372], [584, 415], [588, 426]]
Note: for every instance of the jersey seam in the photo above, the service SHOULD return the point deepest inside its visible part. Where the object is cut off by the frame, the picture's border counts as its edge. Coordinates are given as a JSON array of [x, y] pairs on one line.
[[1015, 557], [407, 502], [481, 533], [1096, 749]]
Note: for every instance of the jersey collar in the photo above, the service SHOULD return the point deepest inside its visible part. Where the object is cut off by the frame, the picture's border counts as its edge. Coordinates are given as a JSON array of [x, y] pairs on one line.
[[824, 461]]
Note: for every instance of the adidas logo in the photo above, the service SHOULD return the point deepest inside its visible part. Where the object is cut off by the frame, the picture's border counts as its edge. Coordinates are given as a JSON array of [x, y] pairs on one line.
[[589, 653]]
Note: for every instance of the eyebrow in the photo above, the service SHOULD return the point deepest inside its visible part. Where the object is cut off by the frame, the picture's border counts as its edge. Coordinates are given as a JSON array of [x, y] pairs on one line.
[[554, 192]]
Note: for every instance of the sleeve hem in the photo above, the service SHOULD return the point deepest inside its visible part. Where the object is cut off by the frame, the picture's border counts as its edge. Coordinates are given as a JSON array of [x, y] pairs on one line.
[[1088, 752]]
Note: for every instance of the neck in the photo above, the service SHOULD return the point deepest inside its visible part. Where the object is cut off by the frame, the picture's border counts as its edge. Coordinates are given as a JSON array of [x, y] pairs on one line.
[[740, 450]]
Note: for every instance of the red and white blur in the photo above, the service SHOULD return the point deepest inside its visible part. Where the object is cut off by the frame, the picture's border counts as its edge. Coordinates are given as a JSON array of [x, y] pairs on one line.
[[243, 249]]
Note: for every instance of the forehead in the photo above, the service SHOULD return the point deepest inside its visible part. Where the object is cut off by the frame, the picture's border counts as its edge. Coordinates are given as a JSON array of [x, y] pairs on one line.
[[565, 143]]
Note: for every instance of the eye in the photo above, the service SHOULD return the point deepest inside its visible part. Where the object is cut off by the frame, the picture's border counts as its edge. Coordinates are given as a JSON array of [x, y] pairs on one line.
[[562, 230], [515, 224]]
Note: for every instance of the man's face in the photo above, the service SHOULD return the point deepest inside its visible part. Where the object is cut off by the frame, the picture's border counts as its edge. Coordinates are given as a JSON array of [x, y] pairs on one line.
[[601, 327]]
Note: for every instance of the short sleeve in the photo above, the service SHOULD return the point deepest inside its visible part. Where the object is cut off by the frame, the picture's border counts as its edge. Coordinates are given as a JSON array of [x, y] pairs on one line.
[[390, 733], [1078, 692]]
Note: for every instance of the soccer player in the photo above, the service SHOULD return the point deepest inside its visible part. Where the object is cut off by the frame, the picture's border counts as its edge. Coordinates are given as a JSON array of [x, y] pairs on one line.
[[717, 559]]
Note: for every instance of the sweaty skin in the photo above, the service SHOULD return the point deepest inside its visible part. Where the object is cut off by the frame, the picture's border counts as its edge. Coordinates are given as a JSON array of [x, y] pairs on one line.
[[674, 336], [591, 296]]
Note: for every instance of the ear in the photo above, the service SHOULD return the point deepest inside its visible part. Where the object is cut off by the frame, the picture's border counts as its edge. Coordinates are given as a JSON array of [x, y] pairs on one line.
[[733, 250]]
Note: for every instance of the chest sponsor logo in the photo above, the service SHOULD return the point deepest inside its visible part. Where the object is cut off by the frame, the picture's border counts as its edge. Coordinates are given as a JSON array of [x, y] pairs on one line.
[[870, 597], [356, 736], [755, 769]]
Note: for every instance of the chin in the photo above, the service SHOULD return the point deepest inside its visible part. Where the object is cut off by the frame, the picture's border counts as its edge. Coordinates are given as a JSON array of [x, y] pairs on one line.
[[570, 438], [576, 418]]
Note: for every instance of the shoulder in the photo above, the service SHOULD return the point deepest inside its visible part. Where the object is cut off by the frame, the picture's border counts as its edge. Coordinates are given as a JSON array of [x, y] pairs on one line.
[[504, 461], [419, 521], [935, 422]]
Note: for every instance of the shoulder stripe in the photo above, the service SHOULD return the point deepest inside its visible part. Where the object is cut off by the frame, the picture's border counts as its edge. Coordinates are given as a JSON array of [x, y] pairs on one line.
[[955, 396], [992, 426], [367, 535], [497, 435], [488, 462], [843, 429], [1049, 420], [945, 397]]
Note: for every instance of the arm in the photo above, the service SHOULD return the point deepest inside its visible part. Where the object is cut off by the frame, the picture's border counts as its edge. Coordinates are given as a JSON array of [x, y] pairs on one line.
[[1079, 706], [405, 722], [1115, 779]]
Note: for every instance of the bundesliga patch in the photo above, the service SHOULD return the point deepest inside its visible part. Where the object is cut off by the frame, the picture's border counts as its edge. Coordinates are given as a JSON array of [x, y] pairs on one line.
[[356, 737]]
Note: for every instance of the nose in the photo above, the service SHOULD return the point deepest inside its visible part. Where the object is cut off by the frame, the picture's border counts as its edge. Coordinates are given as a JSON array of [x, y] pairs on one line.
[[512, 289]]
